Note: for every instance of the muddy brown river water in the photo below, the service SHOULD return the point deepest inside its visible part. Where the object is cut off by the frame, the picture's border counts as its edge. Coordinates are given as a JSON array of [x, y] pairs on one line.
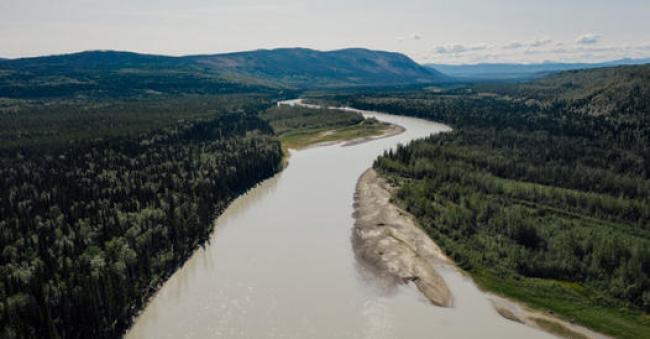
[[280, 264]]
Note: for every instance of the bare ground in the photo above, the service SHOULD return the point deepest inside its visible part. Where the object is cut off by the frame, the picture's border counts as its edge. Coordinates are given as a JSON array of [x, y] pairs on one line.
[[388, 239]]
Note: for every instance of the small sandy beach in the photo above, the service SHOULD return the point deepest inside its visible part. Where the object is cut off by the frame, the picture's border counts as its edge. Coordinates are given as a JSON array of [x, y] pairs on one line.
[[388, 239]]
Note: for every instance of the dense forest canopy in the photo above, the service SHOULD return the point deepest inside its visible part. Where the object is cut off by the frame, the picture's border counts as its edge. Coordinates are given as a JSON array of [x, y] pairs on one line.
[[105, 192], [287, 118], [508, 205], [114, 165], [542, 191], [606, 107], [31, 125], [102, 199]]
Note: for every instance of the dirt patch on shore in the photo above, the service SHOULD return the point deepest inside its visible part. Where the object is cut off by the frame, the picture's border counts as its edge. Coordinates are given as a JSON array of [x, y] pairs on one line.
[[389, 240]]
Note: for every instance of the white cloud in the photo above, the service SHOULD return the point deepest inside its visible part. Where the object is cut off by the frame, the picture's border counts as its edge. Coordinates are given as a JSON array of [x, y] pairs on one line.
[[537, 50], [412, 36], [588, 39], [459, 49], [531, 44], [539, 42], [514, 45], [644, 47]]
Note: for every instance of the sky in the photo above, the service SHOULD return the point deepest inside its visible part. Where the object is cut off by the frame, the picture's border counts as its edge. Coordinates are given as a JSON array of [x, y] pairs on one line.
[[433, 31]]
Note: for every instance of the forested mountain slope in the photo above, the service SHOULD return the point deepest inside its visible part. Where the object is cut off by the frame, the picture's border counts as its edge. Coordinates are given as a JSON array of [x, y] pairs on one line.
[[120, 74], [542, 191], [108, 74], [607, 104], [306, 68], [616, 92]]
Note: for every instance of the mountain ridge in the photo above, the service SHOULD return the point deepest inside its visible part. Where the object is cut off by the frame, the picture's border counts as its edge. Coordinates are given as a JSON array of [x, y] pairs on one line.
[[282, 68], [295, 66], [524, 71]]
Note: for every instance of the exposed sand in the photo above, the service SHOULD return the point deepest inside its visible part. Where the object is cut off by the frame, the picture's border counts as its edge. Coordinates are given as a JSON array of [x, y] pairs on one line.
[[389, 240], [392, 130]]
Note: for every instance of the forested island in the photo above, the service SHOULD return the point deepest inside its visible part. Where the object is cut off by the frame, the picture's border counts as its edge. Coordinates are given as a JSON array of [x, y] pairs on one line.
[[299, 127], [542, 192]]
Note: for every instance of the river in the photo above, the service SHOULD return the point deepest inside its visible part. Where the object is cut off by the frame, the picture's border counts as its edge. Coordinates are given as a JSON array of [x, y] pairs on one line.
[[280, 264]]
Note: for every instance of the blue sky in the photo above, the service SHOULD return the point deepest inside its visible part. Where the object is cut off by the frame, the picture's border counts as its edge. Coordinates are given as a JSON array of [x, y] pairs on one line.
[[458, 31]]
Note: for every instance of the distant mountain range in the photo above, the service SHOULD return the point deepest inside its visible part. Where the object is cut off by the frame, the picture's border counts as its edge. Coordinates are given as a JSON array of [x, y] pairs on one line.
[[301, 67], [294, 68], [113, 73], [506, 71]]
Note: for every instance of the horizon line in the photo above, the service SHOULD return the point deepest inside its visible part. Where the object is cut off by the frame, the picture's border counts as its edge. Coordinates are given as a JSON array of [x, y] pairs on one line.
[[501, 62]]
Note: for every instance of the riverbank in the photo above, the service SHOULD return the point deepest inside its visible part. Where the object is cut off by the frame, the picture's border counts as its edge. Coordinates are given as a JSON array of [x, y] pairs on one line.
[[389, 240], [285, 247], [518, 312]]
